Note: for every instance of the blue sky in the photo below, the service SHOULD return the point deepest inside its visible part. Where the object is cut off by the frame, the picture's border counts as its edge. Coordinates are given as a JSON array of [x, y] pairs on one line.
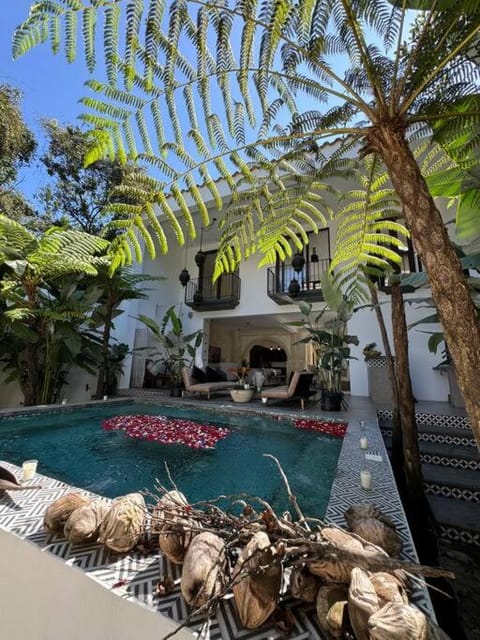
[[50, 85]]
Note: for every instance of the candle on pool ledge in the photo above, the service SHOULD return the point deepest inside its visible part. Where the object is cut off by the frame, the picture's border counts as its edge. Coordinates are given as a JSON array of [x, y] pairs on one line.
[[29, 469], [365, 479], [64, 401], [105, 397], [363, 442]]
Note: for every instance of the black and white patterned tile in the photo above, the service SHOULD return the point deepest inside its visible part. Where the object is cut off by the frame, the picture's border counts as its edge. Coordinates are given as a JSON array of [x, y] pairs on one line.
[[347, 490], [134, 576]]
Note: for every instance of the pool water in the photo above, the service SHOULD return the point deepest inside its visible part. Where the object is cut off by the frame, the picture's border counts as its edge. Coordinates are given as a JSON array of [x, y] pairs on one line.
[[72, 446]]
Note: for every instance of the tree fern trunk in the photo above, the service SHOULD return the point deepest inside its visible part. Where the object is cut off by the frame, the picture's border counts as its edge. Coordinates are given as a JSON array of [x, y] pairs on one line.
[[397, 445], [449, 288], [406, 404], [102, 381], [29, 377]]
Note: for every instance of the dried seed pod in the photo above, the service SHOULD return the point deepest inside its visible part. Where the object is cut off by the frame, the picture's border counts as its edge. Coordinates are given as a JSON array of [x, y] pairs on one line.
[[337, 619], [203, 573], [257, 593], [303, 584], [398, 621], [176, 531], [59, 511], [366, 510], [124, 523], [334, 570], [388, 588], [172, 502], [83, 524], [362, 603], [379, 534], [327, 597], [359, 511]]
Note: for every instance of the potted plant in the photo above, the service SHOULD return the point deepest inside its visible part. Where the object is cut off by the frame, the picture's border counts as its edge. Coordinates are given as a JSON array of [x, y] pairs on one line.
[[370, 351], [330, 341], [178, 349]]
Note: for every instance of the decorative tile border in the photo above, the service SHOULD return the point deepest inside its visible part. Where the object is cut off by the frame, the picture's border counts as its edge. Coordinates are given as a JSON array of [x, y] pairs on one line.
[[434, 419], [441, 438], [448, 461], [460, 535], [468, 495], [49, 409]]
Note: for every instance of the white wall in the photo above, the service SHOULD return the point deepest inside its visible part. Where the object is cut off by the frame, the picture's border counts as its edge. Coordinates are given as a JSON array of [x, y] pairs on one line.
[[41, 598], [254, 302], [427, 384]]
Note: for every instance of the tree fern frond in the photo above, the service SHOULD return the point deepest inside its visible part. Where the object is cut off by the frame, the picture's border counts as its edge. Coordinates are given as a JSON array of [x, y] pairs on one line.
[[110, 40]]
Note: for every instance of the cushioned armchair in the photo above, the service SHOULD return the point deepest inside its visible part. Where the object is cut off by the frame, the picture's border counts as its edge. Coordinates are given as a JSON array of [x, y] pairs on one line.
[[205, 388], [298, 388]]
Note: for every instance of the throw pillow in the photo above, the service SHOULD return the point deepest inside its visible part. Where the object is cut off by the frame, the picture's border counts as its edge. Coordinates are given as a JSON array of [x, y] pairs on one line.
[[198, 376], [214, 375]]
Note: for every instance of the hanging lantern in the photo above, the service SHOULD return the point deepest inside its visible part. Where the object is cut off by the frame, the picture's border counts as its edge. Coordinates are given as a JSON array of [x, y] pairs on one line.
[[294, 288], [200, 258], [184, 277], [298, 262]]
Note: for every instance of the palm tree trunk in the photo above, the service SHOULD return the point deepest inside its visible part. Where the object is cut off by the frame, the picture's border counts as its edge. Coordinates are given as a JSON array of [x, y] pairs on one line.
[[450, 291], [406, 404]]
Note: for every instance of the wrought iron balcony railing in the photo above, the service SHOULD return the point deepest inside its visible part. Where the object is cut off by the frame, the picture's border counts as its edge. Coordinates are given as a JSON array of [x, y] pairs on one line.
[[283, 282], [203, 295]]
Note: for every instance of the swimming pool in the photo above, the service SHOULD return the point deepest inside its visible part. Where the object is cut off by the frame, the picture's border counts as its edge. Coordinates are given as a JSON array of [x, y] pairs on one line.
[[72, 446]]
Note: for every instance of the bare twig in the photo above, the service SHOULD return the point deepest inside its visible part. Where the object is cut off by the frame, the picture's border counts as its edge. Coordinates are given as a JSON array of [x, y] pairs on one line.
[[291, 496]]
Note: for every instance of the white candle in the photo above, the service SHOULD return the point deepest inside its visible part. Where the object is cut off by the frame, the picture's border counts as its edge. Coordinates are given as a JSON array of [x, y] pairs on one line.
[[363, 442], [64, 401], [105, 397], [29, 469], [365, 479]]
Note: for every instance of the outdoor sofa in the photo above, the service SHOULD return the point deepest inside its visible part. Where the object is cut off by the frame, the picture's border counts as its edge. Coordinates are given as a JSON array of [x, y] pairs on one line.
[[300, 387], [204, 388]]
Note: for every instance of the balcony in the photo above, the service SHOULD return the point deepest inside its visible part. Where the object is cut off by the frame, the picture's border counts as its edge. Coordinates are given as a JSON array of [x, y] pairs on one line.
[[283, 282], [202, 294]]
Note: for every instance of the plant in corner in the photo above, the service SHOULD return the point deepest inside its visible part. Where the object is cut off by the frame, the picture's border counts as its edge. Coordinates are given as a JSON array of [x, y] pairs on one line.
[[370, 351], [177, 348], [330, 340]]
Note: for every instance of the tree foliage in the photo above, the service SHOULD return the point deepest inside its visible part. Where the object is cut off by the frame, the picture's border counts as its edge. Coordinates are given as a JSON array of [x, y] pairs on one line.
[[17, 146], [78, 196], [166, 68]]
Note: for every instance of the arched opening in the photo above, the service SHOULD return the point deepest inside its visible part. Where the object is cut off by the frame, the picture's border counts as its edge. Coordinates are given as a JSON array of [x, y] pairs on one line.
[[272, 359]]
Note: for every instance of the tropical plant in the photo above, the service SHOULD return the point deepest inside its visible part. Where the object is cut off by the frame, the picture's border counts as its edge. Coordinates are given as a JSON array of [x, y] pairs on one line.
[[114, 289], [329, 336], [43, 305], [177, 349], [401, 87]]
